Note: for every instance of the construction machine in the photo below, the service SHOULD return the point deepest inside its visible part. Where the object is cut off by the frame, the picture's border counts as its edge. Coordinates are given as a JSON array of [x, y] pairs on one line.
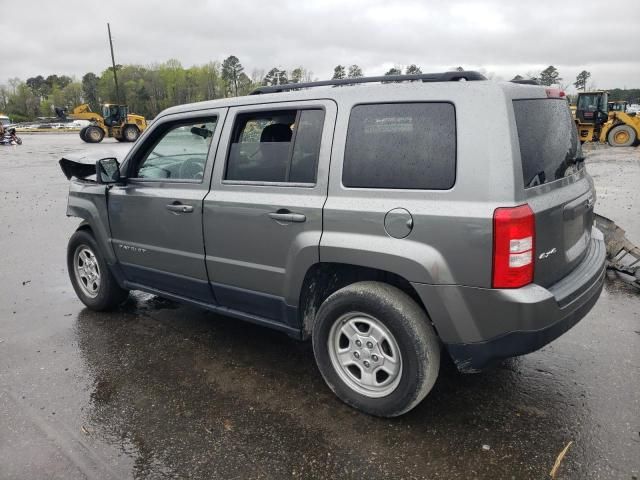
[[599, 120], [115, 121], [617, 105]]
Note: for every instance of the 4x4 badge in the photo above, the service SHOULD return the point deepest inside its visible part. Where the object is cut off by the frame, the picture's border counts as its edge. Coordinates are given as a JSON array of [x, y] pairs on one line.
[[547, 254]]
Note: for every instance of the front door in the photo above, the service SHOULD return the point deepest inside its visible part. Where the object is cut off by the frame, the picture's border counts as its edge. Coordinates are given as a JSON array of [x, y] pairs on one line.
[[156, 217], [263, 215]]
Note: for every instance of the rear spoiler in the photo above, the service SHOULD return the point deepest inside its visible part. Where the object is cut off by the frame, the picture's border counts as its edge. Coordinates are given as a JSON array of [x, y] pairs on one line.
[[79, 170]]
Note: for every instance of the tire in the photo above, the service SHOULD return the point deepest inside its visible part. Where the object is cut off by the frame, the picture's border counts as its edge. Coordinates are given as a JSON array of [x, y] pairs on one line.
[[621, 136], [93, 134], [130, 133], [84, 261], [393, 332], [82, 132]]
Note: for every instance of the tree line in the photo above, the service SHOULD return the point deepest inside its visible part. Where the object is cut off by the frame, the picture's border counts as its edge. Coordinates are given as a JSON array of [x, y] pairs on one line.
[[150, 89]]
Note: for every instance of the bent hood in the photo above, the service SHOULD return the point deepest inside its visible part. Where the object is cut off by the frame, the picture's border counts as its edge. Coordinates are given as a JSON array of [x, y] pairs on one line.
[[82, 165]]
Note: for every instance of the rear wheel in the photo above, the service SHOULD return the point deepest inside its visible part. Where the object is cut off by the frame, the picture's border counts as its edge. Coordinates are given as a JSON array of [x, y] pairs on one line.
[[375, 348], [90, 276], [131, 133], [82, 132], [93, 134], [621, 136]]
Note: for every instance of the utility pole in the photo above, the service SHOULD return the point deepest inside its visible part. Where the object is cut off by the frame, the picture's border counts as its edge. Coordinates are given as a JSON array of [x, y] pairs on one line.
[[113, 62]]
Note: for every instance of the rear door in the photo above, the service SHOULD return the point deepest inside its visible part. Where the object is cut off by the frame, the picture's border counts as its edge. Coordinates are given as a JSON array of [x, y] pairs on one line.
[[263, 215], [557, 187], [156, 218]]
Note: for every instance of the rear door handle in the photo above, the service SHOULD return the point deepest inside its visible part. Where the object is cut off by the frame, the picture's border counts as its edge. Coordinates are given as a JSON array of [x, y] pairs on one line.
[[179, 208], [287, 216]]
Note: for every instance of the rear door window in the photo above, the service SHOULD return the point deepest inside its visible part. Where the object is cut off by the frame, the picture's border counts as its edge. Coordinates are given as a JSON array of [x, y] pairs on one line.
[[401, 146], [549, 146], [279, 146]]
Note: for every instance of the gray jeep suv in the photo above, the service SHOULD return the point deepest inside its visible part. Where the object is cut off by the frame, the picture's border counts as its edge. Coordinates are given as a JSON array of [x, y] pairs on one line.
[[386, 220]]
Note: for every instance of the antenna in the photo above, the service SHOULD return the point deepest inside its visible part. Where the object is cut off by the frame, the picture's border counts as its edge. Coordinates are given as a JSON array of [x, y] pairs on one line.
[[113, 62]]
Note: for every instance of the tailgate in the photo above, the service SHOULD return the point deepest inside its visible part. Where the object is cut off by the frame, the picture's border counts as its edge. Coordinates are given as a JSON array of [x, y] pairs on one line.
[[557, 188], [564, 217]]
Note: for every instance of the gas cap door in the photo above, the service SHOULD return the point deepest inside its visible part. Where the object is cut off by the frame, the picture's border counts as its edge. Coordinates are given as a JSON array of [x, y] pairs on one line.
[[398, 223]]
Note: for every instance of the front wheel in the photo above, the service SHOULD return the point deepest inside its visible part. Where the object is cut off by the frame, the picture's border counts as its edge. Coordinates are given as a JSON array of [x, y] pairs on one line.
[[83, 130], [621, 136], [131, 133], [90, 276], [375, 348], [93, 134]]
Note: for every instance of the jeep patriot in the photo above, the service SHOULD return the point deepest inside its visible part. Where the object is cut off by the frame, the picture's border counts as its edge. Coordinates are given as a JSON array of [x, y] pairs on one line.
[[384, 218]]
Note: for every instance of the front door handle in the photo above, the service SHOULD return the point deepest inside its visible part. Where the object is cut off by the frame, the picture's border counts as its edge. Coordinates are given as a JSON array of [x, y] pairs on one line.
[[179, 208], [284, 215]]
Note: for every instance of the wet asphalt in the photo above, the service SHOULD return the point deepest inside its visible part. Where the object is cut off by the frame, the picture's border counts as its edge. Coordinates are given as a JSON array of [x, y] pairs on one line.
[[161, 390]]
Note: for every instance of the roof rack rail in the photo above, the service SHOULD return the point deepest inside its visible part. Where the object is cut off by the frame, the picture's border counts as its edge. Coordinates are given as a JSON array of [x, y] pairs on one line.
[[526, 81], [424, 77]]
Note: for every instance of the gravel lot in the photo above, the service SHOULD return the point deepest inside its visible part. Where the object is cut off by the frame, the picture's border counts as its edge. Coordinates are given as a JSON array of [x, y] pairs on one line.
[[161, 390]]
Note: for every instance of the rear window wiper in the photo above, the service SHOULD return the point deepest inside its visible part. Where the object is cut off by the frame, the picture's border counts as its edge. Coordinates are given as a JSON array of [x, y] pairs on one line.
[[538, 179]]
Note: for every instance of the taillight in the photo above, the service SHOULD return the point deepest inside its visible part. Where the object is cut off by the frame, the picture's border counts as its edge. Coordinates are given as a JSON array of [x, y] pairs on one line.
[[513, 246], [555, 93]]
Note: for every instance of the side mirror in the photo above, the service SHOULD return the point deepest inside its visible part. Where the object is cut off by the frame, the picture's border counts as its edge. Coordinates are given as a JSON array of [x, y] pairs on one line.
[[107, 171]]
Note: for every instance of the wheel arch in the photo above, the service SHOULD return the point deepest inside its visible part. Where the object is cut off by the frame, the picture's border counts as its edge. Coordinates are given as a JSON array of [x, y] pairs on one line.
[[85, 225], [106, 249], [88, 202], [324, 278]]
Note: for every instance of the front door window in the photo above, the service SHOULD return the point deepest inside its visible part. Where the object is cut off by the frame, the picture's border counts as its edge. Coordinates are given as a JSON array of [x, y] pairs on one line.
[[180, 152]]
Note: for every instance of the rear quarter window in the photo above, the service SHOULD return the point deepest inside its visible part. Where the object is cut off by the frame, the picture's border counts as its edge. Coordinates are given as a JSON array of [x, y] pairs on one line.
[[401, 146], [549, 147]]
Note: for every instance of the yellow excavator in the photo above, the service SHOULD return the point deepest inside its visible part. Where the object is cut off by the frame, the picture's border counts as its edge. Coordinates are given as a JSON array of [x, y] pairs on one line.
[[599, 120], [115, 121]]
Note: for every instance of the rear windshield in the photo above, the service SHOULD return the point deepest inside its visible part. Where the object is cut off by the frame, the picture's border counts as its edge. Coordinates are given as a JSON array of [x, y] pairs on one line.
[[549, 146]]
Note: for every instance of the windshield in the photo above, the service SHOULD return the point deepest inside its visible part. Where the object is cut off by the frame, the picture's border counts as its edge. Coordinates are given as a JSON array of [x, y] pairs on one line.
[[591, 102], [549, 147]]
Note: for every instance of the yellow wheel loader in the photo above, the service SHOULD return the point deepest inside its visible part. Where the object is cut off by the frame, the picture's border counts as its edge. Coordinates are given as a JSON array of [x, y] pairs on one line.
[[115, 121], [601, 121]]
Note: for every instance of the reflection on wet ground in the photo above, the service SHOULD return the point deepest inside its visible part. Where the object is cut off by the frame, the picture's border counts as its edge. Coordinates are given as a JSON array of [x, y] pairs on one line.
[[161, 390]]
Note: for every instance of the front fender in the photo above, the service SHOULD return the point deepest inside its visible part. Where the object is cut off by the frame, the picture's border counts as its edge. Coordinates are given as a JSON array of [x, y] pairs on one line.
[[88, 201]]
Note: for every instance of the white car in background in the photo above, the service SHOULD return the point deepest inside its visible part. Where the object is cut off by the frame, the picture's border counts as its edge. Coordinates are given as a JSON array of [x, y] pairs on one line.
[[633, 108]]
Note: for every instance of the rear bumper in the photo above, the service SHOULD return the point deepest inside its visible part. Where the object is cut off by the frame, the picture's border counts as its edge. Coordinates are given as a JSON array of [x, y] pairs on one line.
[[482, 326]]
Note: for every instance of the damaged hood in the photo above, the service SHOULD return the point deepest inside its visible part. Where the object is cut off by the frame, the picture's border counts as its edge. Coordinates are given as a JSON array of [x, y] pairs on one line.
[[82, 165]]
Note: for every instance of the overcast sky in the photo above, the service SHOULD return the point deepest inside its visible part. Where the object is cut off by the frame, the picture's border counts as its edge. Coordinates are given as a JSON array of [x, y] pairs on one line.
[[502, 37]]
